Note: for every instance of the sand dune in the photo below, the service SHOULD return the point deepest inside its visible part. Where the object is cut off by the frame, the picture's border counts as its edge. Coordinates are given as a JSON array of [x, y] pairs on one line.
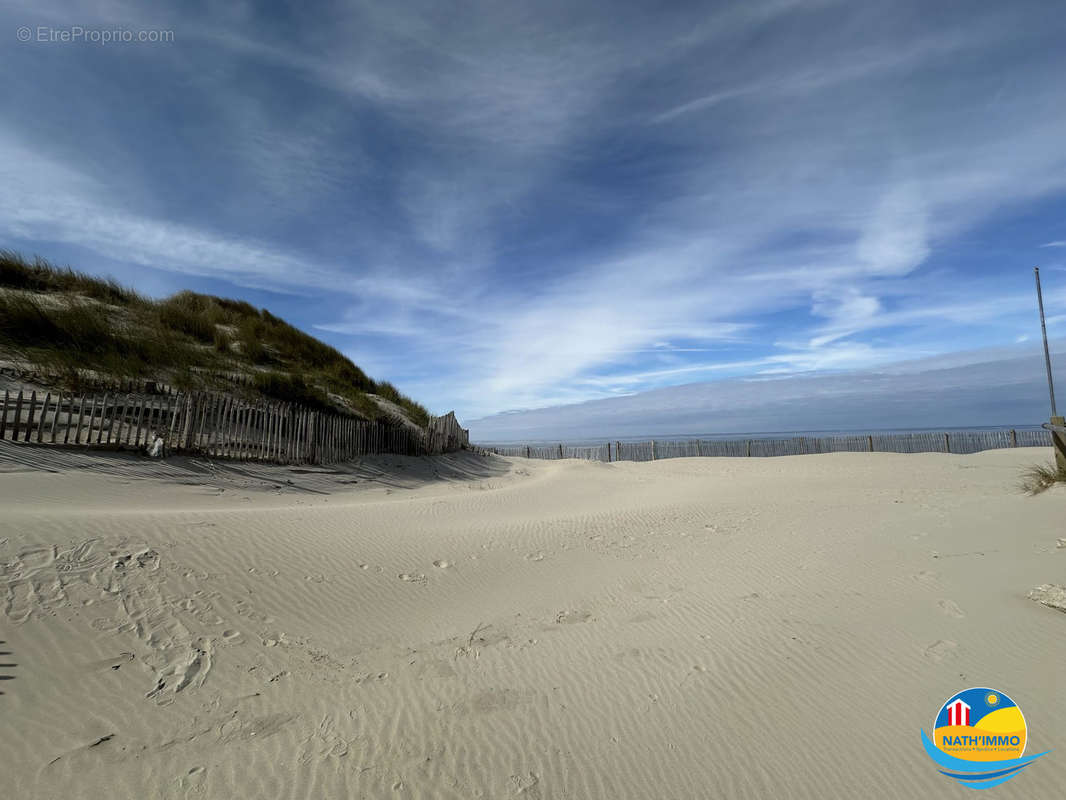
[[468, 627]]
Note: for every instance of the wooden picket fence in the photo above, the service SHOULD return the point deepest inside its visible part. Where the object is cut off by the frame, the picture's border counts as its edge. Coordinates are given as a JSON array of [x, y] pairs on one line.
[[959, 442], [215, 424]]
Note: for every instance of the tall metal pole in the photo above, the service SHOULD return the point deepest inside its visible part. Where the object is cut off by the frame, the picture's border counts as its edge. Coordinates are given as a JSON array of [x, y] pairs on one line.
[[1043, 331]]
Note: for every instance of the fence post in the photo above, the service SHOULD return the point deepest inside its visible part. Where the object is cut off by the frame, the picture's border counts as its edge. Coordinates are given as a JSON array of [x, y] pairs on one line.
[[140, 424], [1013, 438], [241, 434], [291, 414], [119, 417], [171, 444], [225, 407], [81, 415], [190, 412], [233, 447], [221, 425], [268, 428], [1058, 441], [103, 414], [608, 452], [3, 416], [279, 440], [870, 442], [55, 417], [560, 449], [92, 418], [254, 431], [211, 424], [749, 448], [652, 449], [18, 417], [301, 436], [44, 413], [29, 421], [947, 444]]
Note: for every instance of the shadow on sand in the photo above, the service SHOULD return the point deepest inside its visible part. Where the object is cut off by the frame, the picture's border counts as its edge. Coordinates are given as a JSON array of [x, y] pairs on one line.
[[389, 471], [4, 676]]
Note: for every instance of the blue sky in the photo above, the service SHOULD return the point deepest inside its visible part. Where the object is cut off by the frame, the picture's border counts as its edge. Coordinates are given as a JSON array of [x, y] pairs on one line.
[[518, 205]]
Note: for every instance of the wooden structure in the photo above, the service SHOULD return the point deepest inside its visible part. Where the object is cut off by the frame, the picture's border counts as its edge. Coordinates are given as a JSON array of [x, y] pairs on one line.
[[216, 425], [948, 442]]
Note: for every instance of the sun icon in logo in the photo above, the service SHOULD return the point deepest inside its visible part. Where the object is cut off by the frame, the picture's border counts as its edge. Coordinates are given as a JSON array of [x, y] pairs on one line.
[[992, 699]]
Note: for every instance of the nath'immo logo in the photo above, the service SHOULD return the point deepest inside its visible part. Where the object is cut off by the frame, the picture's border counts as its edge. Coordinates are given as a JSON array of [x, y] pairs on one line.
[[979, 738]]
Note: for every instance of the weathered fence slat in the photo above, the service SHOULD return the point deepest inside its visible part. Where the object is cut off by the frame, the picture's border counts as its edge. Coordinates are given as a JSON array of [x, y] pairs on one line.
[[131, 425], [120, 419], [18, 418], [211, 444], [279, 444], [103, 414], [29, 416], [242, 433], [235, 429], [225, 445], [140, 423], [55, 419], [250, 433], [220, 424], [77, 430], [955, 442], [92, 421], [44, 413], [178, 406], [3, 415], [264, 430]]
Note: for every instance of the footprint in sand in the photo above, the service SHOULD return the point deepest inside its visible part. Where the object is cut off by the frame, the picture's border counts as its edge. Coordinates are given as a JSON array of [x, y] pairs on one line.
[[572, 617], [951, 608], [110, 663], [538, 556], [404, 576], [526, 785], [440, 563], [940, 649], [926, 576]]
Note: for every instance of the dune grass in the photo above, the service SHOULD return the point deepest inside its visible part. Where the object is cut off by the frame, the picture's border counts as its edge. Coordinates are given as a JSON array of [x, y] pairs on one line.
[[1041, 477], [41, 276], [67, 322]]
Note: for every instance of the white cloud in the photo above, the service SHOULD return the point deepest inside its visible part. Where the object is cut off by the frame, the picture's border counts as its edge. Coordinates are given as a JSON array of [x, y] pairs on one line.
[[990, 387], [535, 239]]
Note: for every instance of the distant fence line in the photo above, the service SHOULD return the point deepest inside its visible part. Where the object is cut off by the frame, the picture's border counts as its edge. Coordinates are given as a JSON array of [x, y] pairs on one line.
[[217, 425], [958, 442]]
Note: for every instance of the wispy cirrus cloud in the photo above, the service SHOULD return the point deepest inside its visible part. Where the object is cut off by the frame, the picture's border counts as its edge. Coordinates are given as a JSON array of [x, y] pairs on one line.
[[514, 206]]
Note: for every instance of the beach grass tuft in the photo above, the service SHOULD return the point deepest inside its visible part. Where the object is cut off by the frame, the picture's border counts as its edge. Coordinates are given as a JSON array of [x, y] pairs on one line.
[[1041, 477]]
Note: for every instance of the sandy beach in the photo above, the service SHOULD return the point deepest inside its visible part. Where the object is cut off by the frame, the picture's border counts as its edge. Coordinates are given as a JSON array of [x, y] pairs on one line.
[[465, 626]]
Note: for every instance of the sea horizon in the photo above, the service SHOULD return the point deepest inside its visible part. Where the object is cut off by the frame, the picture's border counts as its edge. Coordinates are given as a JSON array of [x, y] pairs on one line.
[[592, 441]]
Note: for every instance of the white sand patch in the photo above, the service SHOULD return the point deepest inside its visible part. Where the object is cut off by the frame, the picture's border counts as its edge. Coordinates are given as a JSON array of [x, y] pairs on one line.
[[469, 627]]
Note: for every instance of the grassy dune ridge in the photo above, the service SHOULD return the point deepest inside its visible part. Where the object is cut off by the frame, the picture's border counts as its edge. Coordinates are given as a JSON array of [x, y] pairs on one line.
[[70, 325]]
